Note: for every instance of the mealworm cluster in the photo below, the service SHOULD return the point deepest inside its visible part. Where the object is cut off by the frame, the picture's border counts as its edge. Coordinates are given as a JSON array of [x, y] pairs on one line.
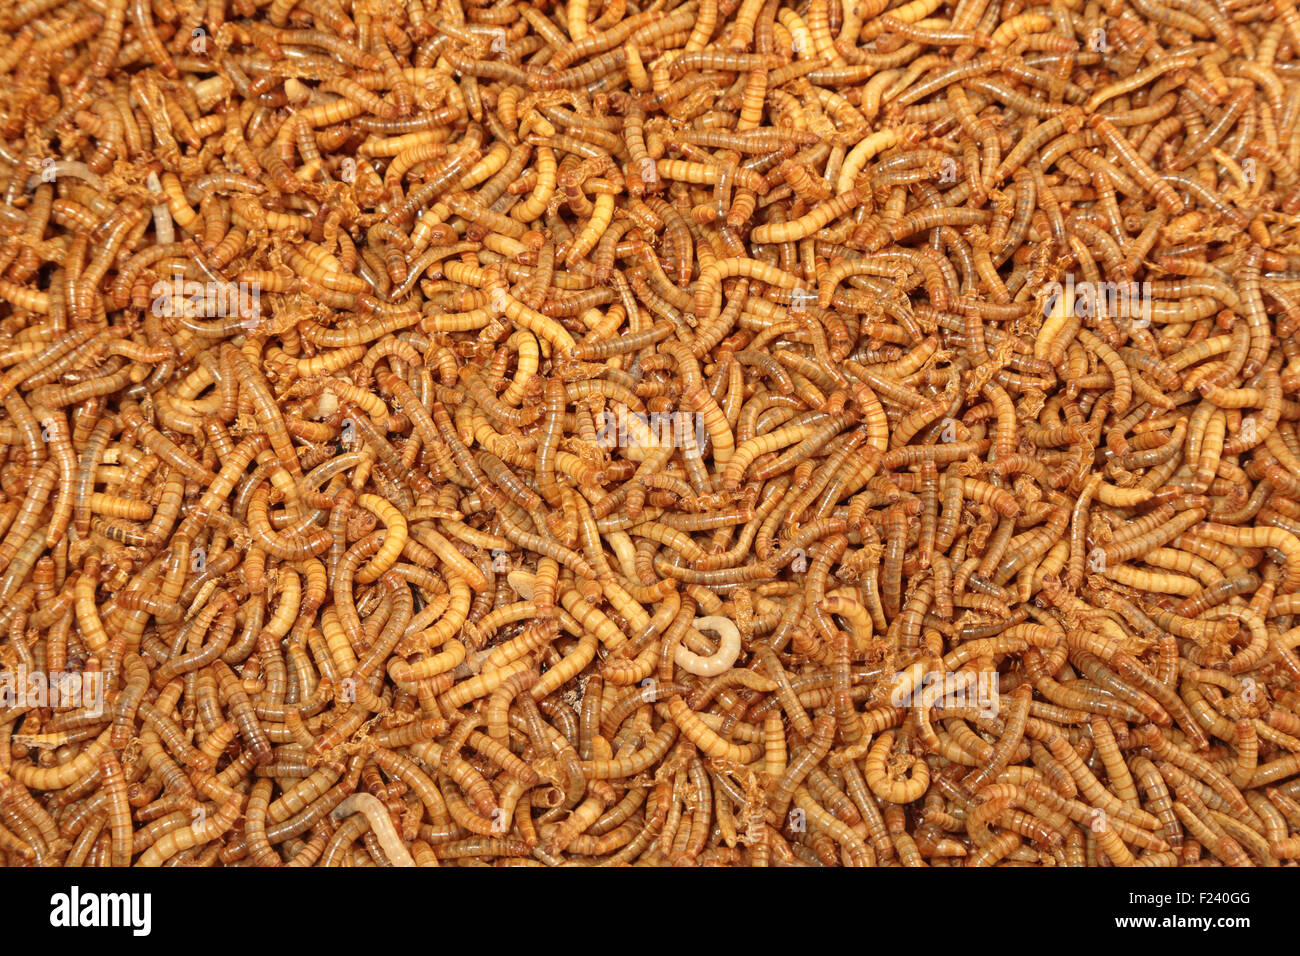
[[730, 432]]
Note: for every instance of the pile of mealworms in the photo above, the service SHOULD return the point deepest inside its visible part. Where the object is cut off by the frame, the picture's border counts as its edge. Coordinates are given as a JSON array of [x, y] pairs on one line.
[[743, 432]]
